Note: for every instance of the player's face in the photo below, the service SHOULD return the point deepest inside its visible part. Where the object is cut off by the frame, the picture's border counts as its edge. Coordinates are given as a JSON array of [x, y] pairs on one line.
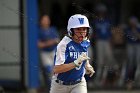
[[80, 34]]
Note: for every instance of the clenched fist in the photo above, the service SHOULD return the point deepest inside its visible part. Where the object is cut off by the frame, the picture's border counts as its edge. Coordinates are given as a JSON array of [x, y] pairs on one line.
[[80, 59]]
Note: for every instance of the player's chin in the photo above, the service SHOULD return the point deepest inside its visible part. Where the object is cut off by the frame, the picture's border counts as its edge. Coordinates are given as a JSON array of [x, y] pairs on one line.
[[80, 41]]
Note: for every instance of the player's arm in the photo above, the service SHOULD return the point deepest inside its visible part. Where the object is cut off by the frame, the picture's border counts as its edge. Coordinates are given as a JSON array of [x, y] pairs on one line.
[[43, 44], [66, 67], [63, 68]]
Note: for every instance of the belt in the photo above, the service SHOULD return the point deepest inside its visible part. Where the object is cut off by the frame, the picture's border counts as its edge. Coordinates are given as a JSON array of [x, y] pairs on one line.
[[67, 83]]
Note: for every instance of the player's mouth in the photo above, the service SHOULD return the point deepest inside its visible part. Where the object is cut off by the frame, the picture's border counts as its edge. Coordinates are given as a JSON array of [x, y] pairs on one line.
[[81, 38]]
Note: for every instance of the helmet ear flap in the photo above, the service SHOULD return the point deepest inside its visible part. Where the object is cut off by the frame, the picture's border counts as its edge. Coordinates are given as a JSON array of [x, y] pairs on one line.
[[71, 32]]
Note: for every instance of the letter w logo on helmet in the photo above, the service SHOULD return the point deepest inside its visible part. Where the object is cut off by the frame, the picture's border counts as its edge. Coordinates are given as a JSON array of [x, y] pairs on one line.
[[81, 20]]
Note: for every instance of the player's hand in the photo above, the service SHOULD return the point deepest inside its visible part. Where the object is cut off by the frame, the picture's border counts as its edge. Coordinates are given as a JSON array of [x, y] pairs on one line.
[[80, 59], [90, 70]]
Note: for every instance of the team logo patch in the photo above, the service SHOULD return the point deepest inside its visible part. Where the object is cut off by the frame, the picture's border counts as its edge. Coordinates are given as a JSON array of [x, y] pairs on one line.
[[81, 20], [71, 48]]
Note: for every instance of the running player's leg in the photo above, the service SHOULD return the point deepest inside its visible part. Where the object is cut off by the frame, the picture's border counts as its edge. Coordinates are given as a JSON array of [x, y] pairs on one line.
[[80, 88], [57, 88]]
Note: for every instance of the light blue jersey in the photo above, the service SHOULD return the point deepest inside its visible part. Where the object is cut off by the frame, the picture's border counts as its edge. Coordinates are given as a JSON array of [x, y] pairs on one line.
[[68, 51]]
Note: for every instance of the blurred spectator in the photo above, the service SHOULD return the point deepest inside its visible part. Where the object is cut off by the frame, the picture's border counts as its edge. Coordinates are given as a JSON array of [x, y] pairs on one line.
[[119, 53], [102, 30], [48, 40], [132, 34]]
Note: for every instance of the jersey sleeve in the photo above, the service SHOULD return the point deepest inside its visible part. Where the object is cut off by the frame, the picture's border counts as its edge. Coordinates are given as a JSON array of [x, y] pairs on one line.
[[60, 53]]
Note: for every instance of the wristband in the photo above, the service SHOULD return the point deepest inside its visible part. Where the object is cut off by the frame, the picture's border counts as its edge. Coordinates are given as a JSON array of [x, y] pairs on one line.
[[75, 65]]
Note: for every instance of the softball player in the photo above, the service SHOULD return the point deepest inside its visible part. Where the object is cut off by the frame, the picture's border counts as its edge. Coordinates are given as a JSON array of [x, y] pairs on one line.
[[71, 59]]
